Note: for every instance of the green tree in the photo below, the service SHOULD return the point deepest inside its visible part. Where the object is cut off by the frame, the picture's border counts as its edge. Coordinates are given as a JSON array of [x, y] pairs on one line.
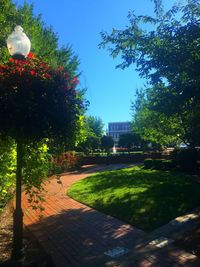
[[93, 131], [91, 143], [128, 140], [168, 57], [95, 125], [155, 127], [107, 143]]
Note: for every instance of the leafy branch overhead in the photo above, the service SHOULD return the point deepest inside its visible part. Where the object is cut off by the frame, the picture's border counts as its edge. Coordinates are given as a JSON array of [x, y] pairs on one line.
[[166, 52]]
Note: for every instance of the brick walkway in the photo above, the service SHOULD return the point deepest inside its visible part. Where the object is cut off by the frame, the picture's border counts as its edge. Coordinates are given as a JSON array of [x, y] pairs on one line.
[[76, 235]]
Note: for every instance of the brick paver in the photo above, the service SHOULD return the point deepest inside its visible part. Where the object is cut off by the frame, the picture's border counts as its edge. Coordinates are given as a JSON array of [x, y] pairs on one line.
[[76, 235]]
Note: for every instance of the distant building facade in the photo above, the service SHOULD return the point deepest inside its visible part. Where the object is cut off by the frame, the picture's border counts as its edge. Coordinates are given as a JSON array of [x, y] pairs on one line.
[[115, 129]]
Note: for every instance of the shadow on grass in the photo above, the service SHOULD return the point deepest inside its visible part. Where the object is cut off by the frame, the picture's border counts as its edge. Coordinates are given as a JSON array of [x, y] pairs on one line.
[[144, 198]]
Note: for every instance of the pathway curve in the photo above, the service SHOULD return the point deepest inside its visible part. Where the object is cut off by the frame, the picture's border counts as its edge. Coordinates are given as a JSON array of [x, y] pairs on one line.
[[77, 236]]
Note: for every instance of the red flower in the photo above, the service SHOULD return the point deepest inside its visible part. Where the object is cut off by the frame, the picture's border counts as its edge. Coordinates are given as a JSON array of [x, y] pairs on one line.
[[75, 81], [60, 68], [67, 75], [11, 59], [18, 68], [32, 72], [47, 75], [25, 62], [31, 55], [4, 67]]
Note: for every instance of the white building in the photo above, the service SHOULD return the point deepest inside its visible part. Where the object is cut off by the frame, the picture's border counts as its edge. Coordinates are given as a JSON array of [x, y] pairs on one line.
[[115, 129]]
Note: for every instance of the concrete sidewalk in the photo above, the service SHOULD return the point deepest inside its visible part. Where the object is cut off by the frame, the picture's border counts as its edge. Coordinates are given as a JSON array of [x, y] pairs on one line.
[[78, 236]]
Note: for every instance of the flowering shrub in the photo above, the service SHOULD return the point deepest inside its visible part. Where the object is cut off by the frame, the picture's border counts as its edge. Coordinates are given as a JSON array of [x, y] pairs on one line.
[[64, 162], [37, 101]]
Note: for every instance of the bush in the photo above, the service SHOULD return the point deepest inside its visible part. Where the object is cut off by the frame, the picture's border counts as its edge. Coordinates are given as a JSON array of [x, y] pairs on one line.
[[148, 163], [65, 162], [174, 155], [198, 154], [184, 159], [187, 159], [156, 164], [159, 164], [168, 165], [112, 159]]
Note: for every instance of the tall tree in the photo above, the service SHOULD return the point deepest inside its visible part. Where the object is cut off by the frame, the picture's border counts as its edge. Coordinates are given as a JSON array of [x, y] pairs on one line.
[[93, 131], [155, 127], [107, 143], [95, 125], [168, 57], [128, 140]]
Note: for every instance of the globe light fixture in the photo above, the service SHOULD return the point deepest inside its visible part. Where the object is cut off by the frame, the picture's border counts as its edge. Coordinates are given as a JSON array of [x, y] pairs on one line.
[[18, 43]]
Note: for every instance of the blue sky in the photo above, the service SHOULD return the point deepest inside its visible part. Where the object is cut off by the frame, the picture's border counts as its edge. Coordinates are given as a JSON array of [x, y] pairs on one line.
[[79, 23]]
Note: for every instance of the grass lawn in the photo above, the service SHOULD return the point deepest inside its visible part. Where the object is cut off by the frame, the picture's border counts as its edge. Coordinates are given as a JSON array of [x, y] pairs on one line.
[[146, 199]]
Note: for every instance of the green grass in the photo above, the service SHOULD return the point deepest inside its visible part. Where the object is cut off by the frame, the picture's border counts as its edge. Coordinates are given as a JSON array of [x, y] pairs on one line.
[[146, 199]]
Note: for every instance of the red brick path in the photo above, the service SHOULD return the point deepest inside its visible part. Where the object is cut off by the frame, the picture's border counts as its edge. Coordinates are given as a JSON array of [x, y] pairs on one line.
[[76, 235]]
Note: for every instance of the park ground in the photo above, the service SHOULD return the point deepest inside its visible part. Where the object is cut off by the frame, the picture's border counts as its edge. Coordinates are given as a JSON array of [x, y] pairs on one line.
[[72, 234]]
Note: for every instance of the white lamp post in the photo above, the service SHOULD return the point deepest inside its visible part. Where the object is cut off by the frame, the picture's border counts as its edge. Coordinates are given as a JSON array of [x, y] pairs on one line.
[[18, 46], [18, 43]]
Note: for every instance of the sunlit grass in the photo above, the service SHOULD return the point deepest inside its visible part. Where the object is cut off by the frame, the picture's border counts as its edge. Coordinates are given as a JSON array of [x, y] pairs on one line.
[[146, 199]]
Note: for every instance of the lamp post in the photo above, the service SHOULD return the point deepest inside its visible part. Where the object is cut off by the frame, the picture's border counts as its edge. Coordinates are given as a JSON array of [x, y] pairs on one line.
[[18, 46]]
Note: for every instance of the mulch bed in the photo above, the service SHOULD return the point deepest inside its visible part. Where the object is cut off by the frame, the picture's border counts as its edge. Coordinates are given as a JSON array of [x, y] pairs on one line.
[[34, 254]]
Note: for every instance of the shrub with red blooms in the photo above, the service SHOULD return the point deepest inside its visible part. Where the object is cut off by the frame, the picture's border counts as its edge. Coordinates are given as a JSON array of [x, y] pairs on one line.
[[37, 101], [66, 161]]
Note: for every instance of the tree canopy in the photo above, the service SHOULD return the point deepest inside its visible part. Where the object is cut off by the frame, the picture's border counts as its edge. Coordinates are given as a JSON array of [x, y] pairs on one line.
[[153, 126], [95, 125], [128, 140], [168, 57], [92, 132], [107, 143]]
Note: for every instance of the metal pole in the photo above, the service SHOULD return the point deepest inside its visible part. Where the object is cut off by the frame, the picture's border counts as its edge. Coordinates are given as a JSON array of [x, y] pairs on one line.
[[18, 214]]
